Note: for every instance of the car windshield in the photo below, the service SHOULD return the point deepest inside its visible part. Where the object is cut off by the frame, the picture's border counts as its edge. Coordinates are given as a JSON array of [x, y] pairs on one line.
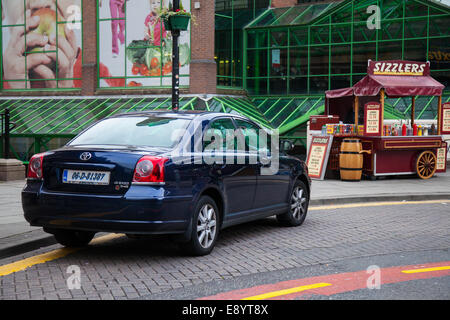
[[139, 131]]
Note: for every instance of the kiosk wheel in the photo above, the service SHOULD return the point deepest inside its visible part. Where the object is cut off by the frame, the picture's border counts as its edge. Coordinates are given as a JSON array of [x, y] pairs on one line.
[[426, 165]]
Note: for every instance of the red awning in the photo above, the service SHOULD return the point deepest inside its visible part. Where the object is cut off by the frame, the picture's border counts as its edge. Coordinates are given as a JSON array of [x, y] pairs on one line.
[[395, 86], [339, 93], [398, 86]]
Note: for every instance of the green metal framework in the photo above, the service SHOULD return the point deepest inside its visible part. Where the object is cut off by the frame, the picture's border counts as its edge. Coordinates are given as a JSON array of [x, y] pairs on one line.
[[326, 46], [26, 82], [45, 123], [230, 19], [127, 75], [40, 122]]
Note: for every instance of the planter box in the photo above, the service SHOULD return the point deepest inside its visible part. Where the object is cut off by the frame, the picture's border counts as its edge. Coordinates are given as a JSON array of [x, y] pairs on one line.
[[179, 22]]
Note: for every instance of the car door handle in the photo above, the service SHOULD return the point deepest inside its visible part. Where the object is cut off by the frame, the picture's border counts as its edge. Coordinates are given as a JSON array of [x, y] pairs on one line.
[[265, 161]]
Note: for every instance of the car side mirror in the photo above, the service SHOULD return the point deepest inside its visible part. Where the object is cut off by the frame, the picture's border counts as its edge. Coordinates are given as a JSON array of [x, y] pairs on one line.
[[286, 146]]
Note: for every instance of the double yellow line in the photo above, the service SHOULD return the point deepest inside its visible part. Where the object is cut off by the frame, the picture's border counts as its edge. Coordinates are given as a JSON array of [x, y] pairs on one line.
[[375, 204], [49, 256]]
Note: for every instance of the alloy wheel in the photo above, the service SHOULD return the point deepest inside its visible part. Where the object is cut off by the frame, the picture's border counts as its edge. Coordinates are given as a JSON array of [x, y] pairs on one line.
[[206, 226], [298, 203]]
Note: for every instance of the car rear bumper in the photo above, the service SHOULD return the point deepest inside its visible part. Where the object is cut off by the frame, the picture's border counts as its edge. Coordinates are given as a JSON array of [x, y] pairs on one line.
[[141, 210]]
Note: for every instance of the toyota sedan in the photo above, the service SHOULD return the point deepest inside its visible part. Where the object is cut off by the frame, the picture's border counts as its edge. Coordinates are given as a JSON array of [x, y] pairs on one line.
[[188, 175]]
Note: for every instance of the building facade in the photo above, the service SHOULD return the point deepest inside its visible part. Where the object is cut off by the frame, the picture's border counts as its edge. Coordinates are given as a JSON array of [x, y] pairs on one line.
[[270, 60]]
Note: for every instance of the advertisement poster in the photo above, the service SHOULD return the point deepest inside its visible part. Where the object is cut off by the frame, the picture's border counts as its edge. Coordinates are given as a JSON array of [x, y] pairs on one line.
[[47, 54], [319, 151], [446, 118], [135, 49], [372, 115]]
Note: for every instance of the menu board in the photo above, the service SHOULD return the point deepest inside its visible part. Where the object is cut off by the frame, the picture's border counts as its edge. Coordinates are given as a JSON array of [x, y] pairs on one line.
[[445, 129], [372, 119], [319, 151], [441, 158]]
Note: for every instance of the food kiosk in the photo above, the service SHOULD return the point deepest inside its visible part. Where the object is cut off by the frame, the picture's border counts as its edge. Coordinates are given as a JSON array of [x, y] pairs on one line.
[[396, 149]]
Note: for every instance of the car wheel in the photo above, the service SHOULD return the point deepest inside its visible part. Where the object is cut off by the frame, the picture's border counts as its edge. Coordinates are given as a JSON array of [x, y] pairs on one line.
[[73, 238], [205, 227], [298, 206]]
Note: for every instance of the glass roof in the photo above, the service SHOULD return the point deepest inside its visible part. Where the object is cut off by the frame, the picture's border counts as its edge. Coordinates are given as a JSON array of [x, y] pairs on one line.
[[296, 15]]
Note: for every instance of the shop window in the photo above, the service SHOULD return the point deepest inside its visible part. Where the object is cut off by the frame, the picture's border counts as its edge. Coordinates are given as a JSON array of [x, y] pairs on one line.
[[298, 36], [415, 50], [298, 60], [361, 54], [279, 38], [319, 35], [390, 50], [278, 62], [318, 84], [391, 30], [319, 60], [257, 86], [416, 28], [298, 85], [278, 86], [257, 63], [439, 53], [339, 82], [340, 59], [341, 33], [362, 33]]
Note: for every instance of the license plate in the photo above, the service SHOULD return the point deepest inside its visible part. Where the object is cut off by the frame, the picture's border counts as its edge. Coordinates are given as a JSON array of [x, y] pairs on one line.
[[86, 177]]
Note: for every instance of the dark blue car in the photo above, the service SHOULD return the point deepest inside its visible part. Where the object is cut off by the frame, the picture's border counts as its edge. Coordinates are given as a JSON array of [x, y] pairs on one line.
[[184, 174]]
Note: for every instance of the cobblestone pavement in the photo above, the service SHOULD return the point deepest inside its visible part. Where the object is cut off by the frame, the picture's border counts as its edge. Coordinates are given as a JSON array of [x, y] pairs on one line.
[[126, 268]]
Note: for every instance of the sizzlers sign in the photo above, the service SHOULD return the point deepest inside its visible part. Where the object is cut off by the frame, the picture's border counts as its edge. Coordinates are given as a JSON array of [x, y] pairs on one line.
[[399, 68]]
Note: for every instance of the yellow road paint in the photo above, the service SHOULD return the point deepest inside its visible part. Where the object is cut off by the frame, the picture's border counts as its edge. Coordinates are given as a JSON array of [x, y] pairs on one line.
[[49, 256], [374, 204], [427, 269], [284, 292]]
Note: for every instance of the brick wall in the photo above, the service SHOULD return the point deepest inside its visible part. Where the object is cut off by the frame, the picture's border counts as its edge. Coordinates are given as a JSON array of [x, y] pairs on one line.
[[283, 3], [89, 70], [203, 66]]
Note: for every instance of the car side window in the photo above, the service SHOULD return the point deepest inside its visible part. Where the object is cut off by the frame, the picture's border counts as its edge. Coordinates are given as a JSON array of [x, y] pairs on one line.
[[219, 129], [251, 134]]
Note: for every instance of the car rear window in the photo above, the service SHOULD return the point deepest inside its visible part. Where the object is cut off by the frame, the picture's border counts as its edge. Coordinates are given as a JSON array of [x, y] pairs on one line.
[[135, 131]]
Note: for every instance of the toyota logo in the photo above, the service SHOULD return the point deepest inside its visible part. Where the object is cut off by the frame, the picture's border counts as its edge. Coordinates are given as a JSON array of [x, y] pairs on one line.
[[85, 156]]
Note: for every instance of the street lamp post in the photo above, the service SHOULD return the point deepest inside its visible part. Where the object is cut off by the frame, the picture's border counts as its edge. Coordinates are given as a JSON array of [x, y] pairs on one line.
[[175, 64]]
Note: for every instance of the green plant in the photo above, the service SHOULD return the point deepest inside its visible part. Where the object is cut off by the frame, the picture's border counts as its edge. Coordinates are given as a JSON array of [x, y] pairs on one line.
[[166, 13]]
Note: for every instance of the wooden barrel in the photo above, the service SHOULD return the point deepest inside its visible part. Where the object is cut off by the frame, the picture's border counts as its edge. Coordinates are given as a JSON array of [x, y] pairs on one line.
[[351, 160]]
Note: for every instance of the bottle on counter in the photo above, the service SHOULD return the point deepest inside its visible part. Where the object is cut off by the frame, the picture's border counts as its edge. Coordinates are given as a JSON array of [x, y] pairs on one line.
[[404, 130], [425, 130], [419, 130], [415, 129], [433, 130]]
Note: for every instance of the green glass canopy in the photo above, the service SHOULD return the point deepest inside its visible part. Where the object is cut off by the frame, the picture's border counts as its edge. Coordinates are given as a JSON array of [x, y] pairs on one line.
[[296, 15]]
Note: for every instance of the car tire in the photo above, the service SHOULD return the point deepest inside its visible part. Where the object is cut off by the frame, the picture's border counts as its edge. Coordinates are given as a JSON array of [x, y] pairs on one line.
[[73, 238], [298, 206], [205, 228]]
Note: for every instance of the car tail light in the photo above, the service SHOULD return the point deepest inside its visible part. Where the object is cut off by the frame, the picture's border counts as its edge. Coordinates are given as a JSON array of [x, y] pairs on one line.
[[149, 170], [35, 166]]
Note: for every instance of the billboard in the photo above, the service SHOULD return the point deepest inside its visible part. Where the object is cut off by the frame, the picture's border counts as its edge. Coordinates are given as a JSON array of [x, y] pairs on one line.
[[41, 44], [135, 49]]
